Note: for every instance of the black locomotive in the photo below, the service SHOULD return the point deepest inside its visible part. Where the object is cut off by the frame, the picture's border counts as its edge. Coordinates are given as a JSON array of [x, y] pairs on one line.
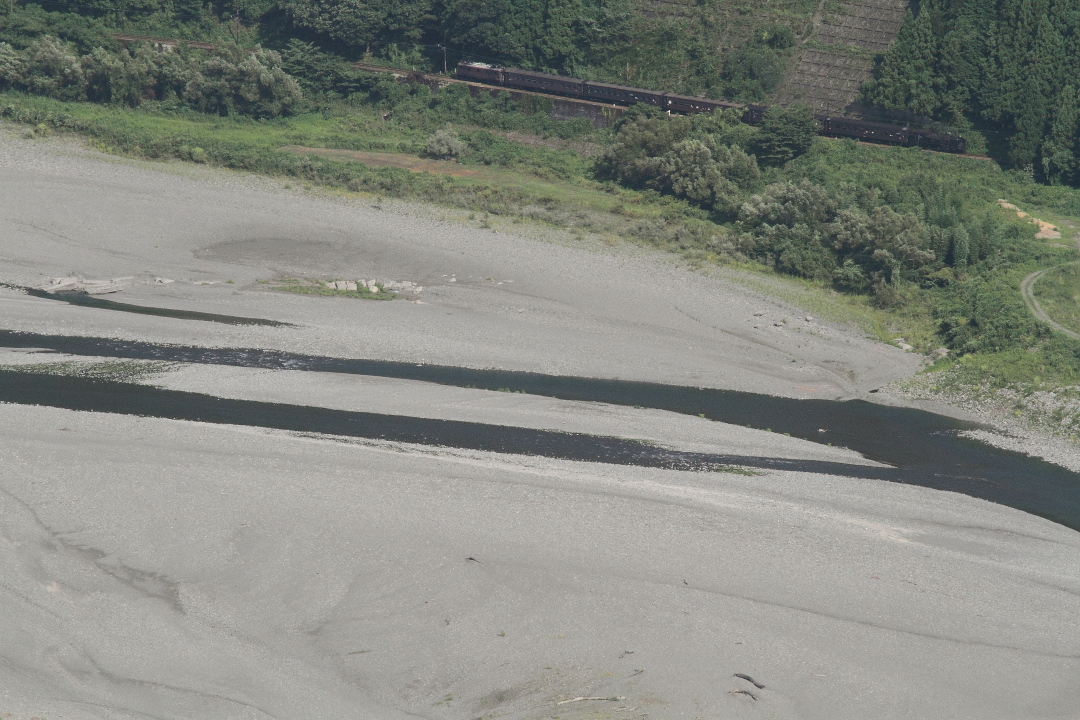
[[751, 114]]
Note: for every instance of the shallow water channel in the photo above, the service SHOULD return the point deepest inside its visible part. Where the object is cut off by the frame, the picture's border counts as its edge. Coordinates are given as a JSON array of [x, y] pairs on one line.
[[923, 448]]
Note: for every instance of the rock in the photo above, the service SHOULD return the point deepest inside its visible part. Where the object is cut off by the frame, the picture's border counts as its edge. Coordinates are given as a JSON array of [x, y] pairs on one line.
[[162, 281], [102, 288], [350, 285], [62, 284], [939, 353], [419, 289], [809, 319], [340, 284], [758, 314], [779, 323], [905, 347], [452, 280]]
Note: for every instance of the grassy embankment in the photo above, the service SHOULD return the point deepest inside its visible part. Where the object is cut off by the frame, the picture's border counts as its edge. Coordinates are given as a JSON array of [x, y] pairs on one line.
[[1058, 292], [501, 182]]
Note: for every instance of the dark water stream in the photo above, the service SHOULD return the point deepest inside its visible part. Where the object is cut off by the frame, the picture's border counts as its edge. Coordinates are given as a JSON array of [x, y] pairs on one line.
[[924, 448], [96, 395], [87, 300]]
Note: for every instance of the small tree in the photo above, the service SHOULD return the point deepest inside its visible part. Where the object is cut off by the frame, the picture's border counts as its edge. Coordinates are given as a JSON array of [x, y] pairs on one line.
[[785, 134], [445, 144]]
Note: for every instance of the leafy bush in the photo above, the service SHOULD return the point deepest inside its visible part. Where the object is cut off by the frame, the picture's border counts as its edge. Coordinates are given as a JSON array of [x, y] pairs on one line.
[[31, 22], [231, 80], [445, 144], [236, 81], [665, 154]]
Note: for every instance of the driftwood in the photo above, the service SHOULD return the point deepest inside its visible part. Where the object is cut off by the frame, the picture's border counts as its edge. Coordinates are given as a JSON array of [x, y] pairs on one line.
[[579, 699], [750, 680], [743, 692]]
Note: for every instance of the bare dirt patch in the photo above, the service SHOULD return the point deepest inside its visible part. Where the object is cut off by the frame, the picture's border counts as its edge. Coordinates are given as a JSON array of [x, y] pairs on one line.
[[377, 159]]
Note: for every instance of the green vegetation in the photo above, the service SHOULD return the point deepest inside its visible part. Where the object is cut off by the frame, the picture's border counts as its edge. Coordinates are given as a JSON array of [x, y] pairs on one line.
[[227, 81], [1058, 292], [307, 286], [731, 48], [1008, 67]]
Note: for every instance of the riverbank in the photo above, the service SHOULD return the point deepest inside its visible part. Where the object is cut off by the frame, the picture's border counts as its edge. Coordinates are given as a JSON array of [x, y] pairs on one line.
[[161, 567]]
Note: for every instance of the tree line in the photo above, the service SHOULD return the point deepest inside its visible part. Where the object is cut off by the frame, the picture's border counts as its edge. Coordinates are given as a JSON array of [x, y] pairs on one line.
[[1011, 67], [607, 40]]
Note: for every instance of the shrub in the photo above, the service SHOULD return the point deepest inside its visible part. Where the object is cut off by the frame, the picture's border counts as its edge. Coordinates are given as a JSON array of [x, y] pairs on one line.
[[445, 144], [232, 80], [247, 83]]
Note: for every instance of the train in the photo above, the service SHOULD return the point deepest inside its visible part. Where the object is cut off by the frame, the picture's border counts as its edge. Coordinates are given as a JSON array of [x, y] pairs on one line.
[[752, 114]]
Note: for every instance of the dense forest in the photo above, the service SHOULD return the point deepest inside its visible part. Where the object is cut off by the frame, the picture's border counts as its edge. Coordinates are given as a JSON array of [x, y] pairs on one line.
[[1011, 68], [611, 40]]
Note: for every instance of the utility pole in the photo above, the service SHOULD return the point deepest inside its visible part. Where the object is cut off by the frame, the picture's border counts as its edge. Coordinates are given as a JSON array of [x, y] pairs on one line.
[[443, 58]]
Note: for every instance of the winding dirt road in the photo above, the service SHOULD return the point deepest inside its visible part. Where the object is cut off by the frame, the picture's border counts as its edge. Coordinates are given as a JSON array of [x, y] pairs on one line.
[[1027, 286]]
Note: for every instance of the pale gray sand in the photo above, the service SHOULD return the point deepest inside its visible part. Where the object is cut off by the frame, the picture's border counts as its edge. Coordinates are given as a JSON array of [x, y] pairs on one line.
[[152, 568], [181, 570]]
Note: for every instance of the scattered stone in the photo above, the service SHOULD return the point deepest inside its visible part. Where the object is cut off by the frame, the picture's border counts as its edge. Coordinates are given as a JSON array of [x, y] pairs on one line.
[[91, 287], [102, 287], [60, 282]]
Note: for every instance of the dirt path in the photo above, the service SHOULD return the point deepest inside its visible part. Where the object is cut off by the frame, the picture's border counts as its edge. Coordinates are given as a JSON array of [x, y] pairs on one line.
[[1027, 286]]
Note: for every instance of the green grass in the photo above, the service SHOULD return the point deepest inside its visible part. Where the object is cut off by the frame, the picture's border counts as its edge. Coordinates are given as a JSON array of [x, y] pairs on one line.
[[507, 178], [1058, 292]]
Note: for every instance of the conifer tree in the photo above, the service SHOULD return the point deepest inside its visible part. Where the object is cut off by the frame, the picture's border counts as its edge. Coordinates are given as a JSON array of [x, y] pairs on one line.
[[1040, 84], [1059, 153], [907, 79]]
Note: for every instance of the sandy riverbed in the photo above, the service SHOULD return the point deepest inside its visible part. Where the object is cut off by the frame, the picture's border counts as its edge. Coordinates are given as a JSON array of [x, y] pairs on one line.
[[154, 568]]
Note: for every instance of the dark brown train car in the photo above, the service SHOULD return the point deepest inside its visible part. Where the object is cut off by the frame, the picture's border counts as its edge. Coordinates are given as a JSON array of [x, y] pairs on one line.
[[621, 95], [942, 142], [688, 105], [875, 132], [481, 72], [542, 82]]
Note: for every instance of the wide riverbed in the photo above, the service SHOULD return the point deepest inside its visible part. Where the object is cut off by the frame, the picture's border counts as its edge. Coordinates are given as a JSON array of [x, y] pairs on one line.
[[567, 472]]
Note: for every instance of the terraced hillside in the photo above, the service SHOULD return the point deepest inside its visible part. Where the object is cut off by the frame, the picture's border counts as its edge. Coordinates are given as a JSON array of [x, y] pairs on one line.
[[838, 56]]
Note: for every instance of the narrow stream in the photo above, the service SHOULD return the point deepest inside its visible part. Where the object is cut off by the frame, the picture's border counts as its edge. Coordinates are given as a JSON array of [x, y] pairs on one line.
[[87, 300], [96, 395], [924, 448]]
